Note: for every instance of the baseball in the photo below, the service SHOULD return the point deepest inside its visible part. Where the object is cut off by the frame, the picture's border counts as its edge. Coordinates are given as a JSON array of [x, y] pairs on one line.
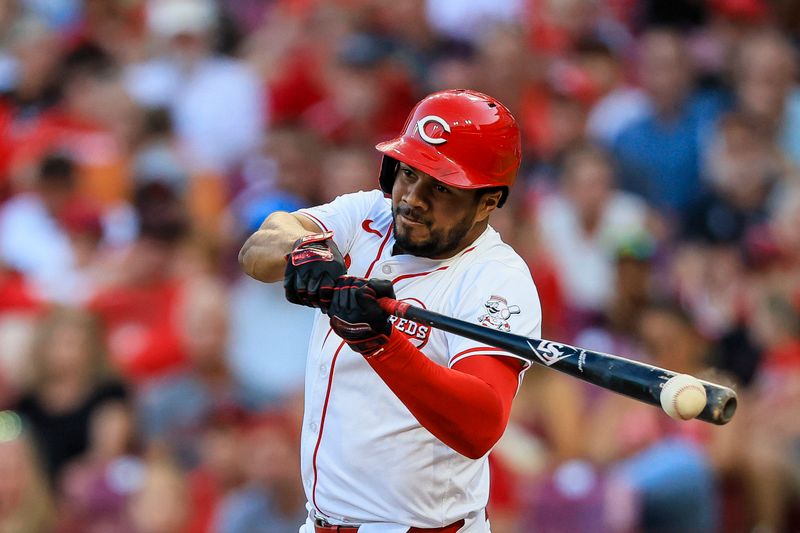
[[683, 397]]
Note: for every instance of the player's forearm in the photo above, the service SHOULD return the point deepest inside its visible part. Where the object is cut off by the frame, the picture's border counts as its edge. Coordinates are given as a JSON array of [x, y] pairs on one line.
[[263, 255], [460, 409]]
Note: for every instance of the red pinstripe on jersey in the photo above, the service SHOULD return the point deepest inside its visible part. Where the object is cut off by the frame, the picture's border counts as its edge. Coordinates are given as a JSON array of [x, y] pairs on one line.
[[380, 251], [322, 424], [406, 276]]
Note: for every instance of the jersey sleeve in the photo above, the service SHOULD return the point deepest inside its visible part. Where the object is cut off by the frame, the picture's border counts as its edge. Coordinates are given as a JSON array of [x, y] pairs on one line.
[[343, 215], [498, 296]]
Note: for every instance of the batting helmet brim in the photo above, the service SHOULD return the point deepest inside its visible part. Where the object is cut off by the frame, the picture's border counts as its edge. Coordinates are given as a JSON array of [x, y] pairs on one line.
[[421, 156]]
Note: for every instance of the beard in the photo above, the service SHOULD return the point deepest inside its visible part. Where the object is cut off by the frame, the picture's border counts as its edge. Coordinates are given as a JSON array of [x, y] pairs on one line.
[[440, 243]]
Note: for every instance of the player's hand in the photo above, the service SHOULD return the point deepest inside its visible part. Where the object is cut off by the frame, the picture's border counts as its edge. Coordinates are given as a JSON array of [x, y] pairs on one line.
[[312, 267], [356, 316]]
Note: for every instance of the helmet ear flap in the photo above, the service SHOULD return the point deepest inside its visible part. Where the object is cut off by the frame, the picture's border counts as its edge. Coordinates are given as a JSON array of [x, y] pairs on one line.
[[388, 172]]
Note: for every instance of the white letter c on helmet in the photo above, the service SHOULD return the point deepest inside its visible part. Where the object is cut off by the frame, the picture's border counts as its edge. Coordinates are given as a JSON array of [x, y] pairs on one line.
[[421, 123]]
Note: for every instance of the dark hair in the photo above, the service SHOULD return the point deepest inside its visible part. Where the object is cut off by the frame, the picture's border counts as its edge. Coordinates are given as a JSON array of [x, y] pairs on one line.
[[57, 170], [594, 47], [162, 217], [157, 121]]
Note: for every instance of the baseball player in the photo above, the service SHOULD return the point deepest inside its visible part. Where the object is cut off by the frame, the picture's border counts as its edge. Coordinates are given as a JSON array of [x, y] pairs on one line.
[[399, 417]]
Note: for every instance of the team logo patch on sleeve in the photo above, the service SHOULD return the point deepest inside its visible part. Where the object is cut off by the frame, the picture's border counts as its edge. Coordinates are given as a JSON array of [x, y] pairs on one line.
[[497, 313]]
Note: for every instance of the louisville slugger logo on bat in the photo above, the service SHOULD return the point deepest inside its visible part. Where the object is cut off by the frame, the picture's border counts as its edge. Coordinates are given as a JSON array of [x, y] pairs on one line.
[[550, 352], [631, 378]]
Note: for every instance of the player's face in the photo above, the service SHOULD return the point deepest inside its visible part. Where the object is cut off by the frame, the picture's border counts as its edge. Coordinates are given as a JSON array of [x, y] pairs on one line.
[[432, 219]]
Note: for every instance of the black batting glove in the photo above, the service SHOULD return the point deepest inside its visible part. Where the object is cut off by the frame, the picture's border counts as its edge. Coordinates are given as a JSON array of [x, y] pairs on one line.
[[356, 316], [312, 267]]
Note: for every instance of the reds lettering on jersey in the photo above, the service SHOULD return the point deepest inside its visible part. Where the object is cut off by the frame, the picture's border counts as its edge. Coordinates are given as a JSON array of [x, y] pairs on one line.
[[365, 458]]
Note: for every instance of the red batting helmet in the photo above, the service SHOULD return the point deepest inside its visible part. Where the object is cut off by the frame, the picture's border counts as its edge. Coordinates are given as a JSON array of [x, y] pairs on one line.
[[463, 138]]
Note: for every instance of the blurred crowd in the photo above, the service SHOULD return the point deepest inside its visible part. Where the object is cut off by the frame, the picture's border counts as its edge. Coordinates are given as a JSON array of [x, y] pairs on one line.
[[148, 386]]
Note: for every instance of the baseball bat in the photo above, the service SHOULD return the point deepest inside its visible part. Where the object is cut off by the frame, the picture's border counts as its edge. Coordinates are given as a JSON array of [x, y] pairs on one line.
[[636, 380]]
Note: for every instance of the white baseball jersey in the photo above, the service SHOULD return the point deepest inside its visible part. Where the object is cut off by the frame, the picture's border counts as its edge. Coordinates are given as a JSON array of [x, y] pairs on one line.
[[365, 458]]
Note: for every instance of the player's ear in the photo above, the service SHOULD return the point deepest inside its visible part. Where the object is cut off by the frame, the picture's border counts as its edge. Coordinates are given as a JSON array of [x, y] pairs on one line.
[[488, 202]]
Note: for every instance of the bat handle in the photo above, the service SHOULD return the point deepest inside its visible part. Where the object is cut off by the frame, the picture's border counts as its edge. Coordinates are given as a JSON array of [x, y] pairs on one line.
[[393, 307]]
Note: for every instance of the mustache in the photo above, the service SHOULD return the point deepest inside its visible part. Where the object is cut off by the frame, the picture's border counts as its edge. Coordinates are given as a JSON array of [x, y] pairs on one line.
[[410, 214]]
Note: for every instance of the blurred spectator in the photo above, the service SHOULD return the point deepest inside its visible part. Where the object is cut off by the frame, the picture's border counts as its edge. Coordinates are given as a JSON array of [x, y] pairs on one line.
[[746, 174], [710, 281], [161, 504], [772, 440], [290, 50], [555, 123], [670, 338], [32, 93], [662, 461], [744, 169], [632, 291], [368, 93], [414, 42], [20, 308], [216, 102], [69, 381], [284, 178], [583, 226], [95, 488], [26, 504], [783, 223], [660, 155], [82, 110], [454, 65], [617, 104], [273, 499], [9, 11], [33, 239], [577, 497], [116, 27], [556, 26], [158, 157], [59, 14], [345, 170], [96, 121], [765, 70], [268, 340], [470, 21], [219, 470], [140, 307], [173, 407], [507, 70]]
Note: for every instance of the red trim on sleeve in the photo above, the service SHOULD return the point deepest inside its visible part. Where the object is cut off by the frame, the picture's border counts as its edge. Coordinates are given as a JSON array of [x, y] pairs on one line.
[[315, 219], [473, 351], [466, 407]]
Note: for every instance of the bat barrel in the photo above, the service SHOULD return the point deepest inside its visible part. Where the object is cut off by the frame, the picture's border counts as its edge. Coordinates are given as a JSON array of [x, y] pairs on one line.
[[634, 379], [720, 406]]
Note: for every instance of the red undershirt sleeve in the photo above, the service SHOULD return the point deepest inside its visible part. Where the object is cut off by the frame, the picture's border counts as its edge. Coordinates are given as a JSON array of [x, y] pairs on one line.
[[466, 407]]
